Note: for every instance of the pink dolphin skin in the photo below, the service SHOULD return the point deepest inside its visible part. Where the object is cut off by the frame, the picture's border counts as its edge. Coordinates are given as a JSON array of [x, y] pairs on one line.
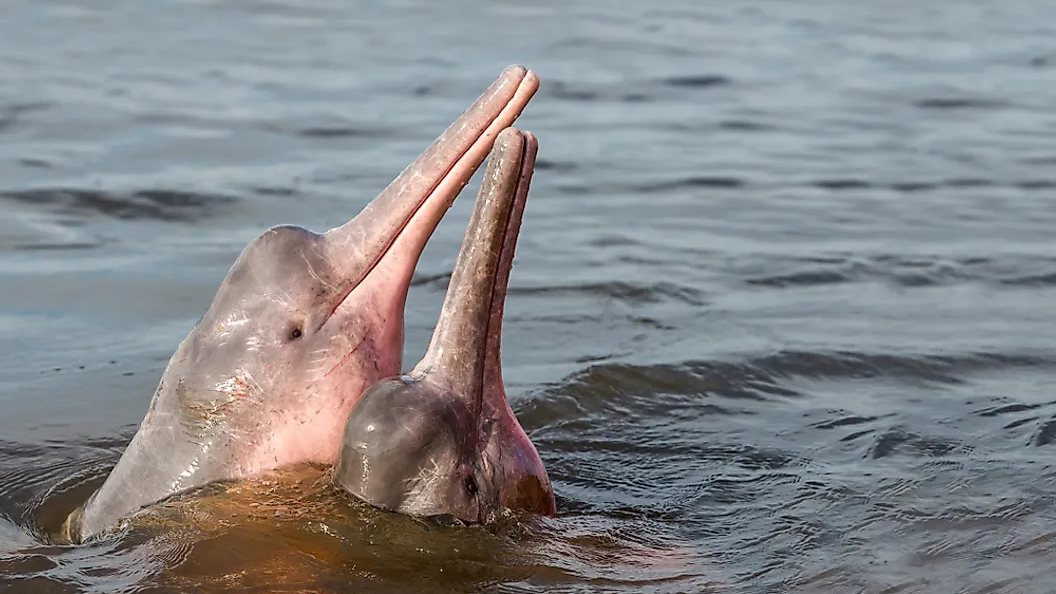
[[303, 323]]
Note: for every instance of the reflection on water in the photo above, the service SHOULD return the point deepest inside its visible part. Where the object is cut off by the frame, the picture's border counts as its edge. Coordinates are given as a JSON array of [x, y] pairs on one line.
[[781, 320]]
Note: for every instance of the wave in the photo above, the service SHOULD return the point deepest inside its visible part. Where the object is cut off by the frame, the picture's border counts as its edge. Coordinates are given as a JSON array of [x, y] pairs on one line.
[[157, 205]]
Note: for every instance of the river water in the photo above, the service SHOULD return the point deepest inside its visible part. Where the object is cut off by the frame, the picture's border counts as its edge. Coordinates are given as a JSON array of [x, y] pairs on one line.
[[783, 317]]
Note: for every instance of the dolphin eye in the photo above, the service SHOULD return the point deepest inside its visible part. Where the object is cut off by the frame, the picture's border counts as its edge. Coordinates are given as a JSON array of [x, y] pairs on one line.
[[296, 333], [471, 486]]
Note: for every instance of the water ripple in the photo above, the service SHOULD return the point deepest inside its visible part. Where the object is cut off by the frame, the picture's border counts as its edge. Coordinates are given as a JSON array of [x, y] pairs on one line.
[[160, 205]]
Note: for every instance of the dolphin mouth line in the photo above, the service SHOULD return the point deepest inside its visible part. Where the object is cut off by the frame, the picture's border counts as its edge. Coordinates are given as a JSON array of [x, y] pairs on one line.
[[496, 299], [465, 349], [527, 84], [343, 296]]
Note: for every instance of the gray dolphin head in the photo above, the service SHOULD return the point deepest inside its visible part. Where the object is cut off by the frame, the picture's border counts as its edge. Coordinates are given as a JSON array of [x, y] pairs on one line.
[[303, 323], [443, 440]]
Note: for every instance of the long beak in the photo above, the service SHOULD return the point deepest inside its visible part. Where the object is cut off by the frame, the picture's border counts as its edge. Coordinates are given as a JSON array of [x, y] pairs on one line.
[[465, 344], [493, 359], [396, 225]]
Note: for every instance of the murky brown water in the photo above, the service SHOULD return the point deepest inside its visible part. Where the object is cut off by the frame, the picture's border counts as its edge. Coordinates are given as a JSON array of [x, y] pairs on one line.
[[782, 318]]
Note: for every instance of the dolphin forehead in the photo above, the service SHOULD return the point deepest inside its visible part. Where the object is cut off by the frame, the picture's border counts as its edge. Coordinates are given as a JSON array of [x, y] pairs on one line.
[[287, 265], [411, 447]]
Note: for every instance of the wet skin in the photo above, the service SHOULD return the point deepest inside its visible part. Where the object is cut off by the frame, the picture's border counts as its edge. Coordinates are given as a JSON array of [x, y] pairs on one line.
[[442, 441], [303, 323]]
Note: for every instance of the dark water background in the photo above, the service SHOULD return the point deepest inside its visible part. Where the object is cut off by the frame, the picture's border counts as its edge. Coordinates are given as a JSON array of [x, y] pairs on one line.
[[783, 312]]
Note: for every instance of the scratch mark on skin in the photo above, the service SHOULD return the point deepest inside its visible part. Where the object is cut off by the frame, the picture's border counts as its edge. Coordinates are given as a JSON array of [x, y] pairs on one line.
[[319, 357], [223, 329], [282, 297], [251, 381], [419, 484], [199, 415], [315, 275], [345, 358], [234, 386]]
